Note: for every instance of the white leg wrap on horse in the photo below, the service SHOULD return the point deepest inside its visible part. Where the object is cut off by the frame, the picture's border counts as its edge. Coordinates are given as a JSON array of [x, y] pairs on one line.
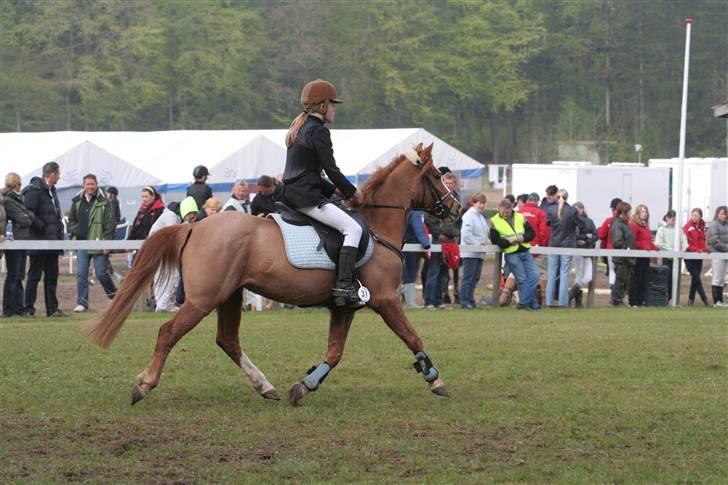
[[256, 377]]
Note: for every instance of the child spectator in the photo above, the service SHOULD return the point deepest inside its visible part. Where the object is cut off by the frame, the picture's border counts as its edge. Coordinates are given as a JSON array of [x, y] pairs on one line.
[[718, 243], [694, 230], [199, 190]]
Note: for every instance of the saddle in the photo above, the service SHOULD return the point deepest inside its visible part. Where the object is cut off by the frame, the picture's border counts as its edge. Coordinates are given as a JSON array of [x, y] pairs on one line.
[[307, 238]]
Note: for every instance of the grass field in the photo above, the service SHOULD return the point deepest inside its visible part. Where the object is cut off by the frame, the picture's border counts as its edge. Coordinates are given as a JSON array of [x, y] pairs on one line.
[[625, 395]]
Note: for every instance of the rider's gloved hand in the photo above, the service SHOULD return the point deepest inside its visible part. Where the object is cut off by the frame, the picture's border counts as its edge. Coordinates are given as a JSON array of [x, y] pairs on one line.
[[357, 199]]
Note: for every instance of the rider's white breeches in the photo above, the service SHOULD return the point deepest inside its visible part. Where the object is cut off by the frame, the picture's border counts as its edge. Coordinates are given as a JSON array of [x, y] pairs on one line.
[[335, 217]]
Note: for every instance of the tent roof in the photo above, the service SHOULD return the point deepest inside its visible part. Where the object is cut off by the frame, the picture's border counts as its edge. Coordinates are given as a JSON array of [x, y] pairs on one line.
[[75, 161], [363, 151], [259, 156], [170, 156]]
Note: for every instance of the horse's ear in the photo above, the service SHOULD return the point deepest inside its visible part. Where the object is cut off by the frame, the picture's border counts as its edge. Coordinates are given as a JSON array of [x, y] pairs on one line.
[[428, 150], [413, 157]]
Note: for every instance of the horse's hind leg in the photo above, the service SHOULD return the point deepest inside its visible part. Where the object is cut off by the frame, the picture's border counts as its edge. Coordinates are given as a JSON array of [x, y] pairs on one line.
[[339, 326], [228, 325], [170, 333], [390, 308]]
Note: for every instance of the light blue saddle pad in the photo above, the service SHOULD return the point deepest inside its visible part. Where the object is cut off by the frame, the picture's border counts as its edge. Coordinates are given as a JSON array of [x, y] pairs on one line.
[[301, 244]]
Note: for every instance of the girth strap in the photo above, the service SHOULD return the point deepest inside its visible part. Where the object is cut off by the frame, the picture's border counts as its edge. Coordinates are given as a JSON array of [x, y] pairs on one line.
[[387, 244]]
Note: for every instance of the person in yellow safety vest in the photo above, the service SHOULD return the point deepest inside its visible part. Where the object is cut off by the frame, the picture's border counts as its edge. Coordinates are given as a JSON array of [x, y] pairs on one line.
[[512, 232]]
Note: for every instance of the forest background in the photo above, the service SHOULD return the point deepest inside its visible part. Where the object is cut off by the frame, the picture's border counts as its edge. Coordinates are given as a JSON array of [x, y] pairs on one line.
[[503, 80]]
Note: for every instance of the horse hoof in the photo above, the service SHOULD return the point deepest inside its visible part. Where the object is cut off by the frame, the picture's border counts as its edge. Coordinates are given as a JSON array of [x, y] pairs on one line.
[[296, 393], [440, 391], [137, 394], [271, 394]]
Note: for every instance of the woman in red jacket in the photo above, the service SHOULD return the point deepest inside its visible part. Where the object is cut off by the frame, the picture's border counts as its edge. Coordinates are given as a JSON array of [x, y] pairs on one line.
[[640, 225], [694, 230]]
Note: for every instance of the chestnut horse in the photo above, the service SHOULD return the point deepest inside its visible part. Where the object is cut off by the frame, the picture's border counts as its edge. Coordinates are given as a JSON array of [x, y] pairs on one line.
[[221, 255]]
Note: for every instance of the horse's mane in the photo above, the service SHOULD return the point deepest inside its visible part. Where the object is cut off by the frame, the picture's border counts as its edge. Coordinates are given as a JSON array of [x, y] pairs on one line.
[[374, 183]]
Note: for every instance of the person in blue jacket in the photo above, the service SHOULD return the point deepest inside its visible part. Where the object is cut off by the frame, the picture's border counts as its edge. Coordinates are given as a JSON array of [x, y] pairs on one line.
[[414, 233]]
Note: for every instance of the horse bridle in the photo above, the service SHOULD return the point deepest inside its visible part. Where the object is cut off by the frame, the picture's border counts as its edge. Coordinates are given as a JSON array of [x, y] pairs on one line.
[[438, 210]]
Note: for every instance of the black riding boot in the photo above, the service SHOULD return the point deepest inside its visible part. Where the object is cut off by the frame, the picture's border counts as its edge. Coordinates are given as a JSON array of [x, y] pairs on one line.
[[344, 291], [578, 293]]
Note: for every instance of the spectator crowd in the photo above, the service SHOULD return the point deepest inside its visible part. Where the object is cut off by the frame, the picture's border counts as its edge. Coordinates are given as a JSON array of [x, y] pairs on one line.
[[520, 223], [34, 212], [527, 221]]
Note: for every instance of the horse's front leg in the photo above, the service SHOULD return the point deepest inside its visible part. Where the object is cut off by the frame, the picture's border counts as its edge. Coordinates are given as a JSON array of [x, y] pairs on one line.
[[339, 326], [390, 308]]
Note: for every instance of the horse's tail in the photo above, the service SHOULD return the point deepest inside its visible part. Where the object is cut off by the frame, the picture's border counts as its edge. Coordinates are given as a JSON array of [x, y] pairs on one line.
[[162, 248]]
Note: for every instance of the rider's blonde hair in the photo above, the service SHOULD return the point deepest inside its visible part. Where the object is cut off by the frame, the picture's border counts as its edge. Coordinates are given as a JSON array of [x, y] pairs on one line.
[[299, 120]]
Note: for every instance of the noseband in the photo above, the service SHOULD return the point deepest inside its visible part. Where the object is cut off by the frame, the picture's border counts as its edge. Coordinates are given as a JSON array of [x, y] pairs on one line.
[[439, 210]]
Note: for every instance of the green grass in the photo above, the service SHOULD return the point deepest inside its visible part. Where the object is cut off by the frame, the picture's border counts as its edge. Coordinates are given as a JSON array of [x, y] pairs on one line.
[[604, 395]]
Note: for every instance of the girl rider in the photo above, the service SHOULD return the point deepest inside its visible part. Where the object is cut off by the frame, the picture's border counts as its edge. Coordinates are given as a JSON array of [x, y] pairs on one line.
[[309, 152]]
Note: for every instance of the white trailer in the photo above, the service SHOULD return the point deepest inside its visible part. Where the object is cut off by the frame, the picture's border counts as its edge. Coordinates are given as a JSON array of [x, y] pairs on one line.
[[705, 183], [535, 177], [599, 184], [596, 185]]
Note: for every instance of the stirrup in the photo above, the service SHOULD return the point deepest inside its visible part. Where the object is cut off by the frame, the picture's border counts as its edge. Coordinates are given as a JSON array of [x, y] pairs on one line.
[[351, 297], [346, 297]]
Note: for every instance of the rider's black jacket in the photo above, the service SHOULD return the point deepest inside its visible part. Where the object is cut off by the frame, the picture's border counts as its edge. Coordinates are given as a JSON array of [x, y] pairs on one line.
[[312, 152]]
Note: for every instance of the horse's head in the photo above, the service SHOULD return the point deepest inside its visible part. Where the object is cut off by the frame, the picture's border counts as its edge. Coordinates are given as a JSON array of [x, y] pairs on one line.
[[430, 194]]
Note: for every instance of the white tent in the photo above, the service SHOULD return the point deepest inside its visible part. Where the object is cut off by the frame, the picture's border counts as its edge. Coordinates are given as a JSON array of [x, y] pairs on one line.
[[260, 156], [170, 156], [87, 158], [361, 152]]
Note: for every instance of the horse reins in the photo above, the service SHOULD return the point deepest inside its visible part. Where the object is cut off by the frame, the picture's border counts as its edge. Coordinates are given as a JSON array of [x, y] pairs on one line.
[[439, 210]]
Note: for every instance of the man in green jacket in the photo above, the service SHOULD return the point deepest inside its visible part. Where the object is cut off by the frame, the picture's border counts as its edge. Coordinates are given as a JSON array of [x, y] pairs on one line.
[[91, 219]]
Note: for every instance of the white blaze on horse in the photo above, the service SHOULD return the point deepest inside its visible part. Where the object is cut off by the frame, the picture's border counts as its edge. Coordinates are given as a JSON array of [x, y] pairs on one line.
[[220, 256]]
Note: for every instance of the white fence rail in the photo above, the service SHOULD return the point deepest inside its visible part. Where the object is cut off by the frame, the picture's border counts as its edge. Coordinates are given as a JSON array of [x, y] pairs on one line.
[[598, 252], [486, 250]]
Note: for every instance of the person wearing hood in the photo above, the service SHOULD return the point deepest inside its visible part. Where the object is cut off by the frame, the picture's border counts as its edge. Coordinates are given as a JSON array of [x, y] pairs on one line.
[[694, 230], [149, 211], [175, 213], [718, 243], [41, 198], [665, 241], [91, 219]]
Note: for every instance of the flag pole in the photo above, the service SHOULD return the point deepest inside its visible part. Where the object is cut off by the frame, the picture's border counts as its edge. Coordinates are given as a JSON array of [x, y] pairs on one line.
[[681, 165]]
